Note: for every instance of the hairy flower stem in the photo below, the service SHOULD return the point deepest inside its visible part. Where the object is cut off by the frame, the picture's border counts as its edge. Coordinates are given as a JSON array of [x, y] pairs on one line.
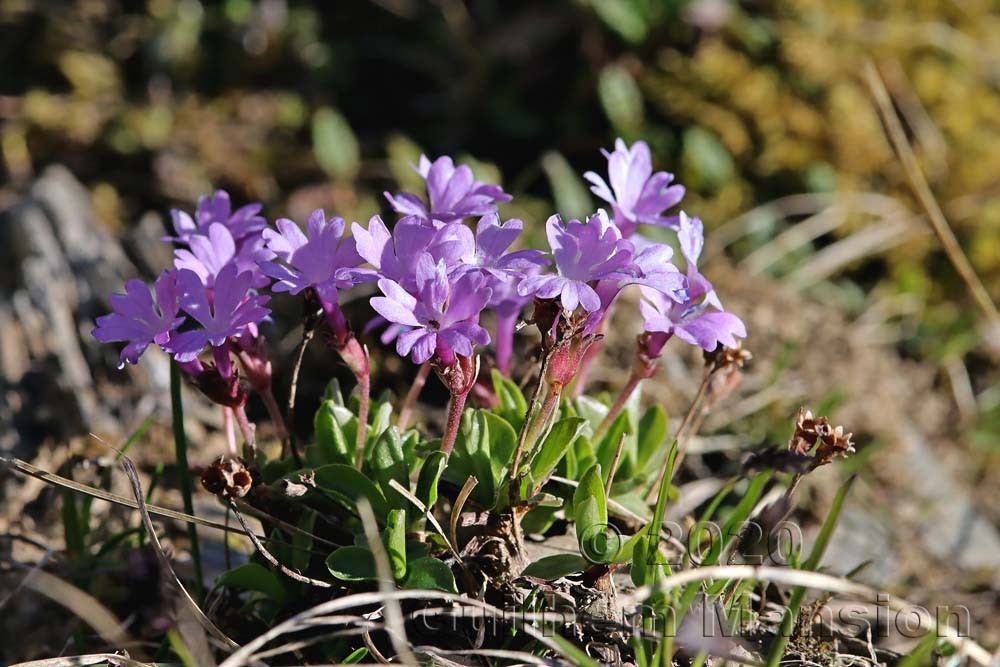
[[541, 420], [680, 438], [249, 439], [455, 407], [229, 428], [406, 411], [522, 436], [364, 390]]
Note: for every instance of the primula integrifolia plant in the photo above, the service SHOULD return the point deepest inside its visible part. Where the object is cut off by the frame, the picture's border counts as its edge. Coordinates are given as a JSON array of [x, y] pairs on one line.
[[435, 276]]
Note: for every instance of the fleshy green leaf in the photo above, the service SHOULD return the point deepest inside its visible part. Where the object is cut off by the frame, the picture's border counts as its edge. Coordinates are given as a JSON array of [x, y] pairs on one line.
[[257, 578], [554, 567], [653, 428], [590, 511], [356, 656], [512, 404], [389, 463], [430, 574], [430, 476], [395, 542], [560, 438], [352, 564], [331, 442], [346, 484]]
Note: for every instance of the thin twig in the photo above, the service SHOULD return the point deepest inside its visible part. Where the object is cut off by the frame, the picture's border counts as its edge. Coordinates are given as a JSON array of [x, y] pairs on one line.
[[680, 437], [308, 331], [269, 557], [924, 195], [613, 468]]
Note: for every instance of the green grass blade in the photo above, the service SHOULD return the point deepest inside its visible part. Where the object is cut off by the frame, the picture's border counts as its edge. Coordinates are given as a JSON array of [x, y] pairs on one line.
[[180, 445], [798, 593]]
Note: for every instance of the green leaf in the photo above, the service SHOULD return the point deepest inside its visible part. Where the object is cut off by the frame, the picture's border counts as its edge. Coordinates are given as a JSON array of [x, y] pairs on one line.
[[640, 557], [608, 445], [352, 564], [815, 556], [330, 439], [501, 440], [430, 574], [356, 656], [388, 463], [653, 428], [334, 393], [257, 578], [381, 419], [430, 476], [512, 404], [571, 196], [590, 511], [707, 162], [554, 567], [561, 437], [346, 484], [592, 410], [621, 98], [395, 542], [471, 458], [336, 148]]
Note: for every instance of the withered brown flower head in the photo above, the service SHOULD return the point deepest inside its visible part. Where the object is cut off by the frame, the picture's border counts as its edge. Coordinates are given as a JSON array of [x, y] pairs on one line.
[[833, 444], [809, 430], [228, 478]]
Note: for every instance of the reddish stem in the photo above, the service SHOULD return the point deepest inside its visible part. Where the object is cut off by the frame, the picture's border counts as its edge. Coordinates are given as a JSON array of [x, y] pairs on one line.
[[626, 393], [274, 412], [406, 411], [364, 389], [455, 407], [249, 439], [229, 429]]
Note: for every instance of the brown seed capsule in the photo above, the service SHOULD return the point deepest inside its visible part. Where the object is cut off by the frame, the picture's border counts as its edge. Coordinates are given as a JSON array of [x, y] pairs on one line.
[[810, 430], [833, 444], [723, 357], [228, 478]]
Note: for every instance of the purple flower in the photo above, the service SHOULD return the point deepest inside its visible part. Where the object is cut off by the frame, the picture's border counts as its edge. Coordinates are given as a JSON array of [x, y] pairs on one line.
[[228, 310], [217, 208], [507, 304], [584, 252], [487, 252], [637, 195], [444, 316], [453, 192], [698, 317], [215, 249], [321, 258], [393, 255], [137, 320]]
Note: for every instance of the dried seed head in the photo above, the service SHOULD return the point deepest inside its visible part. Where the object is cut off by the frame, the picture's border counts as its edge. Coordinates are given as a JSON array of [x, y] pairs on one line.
[[228, 478], [810, 430], [833, 444], [723, 357]]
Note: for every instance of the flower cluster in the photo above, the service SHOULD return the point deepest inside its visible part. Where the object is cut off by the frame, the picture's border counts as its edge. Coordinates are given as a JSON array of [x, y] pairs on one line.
[[436, 275]]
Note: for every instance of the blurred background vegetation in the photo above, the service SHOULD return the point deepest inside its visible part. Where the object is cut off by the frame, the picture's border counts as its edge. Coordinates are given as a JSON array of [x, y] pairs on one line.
[[759, 108]]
